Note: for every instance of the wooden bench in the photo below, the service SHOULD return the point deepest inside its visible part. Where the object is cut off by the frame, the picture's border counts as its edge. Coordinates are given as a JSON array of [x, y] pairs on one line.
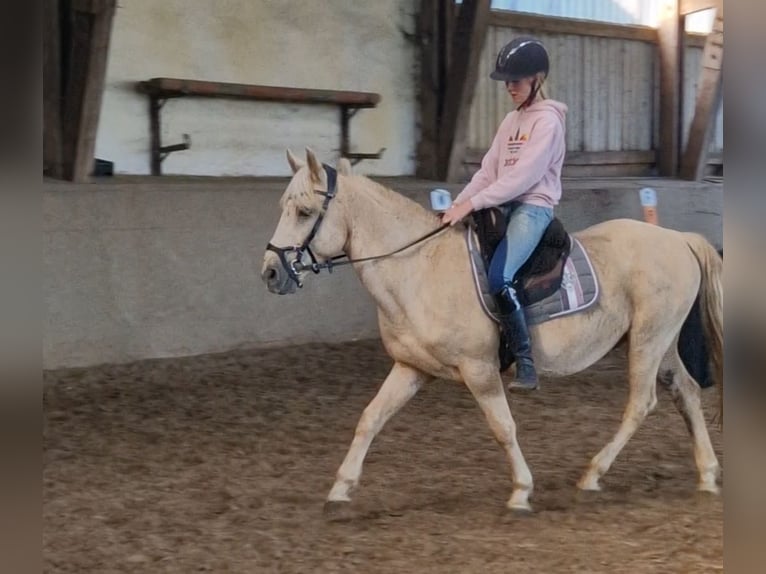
[[160, 90]]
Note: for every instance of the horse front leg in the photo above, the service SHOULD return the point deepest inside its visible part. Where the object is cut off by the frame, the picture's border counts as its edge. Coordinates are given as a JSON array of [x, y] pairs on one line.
[[400, 386], [486, 385]]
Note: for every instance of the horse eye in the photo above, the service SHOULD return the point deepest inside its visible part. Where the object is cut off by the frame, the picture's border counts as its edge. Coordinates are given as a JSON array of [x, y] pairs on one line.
[[303, 212]]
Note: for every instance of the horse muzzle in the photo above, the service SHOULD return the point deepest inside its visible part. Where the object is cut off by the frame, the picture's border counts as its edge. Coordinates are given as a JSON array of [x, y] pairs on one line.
[[277, 280]]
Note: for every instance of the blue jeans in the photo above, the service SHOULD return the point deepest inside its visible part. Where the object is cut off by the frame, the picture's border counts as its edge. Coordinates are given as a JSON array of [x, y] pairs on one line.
[[526, 225]]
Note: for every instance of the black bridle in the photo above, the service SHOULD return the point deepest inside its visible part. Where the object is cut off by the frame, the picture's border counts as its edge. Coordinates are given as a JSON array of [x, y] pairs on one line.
[[297, 265]]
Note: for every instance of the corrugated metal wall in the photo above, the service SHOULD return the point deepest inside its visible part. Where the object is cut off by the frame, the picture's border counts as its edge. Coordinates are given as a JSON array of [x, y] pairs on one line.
[[610, 85]]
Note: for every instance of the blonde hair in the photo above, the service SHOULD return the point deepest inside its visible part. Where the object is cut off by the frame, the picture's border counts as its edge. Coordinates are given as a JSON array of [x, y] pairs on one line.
[[540, 80], [538, 87]]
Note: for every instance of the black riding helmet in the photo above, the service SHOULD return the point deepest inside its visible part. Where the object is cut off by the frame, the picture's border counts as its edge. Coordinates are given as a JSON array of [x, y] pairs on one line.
[[522, 57]]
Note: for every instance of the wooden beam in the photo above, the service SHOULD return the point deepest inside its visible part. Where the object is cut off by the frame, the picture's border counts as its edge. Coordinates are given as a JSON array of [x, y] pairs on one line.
[[468, 42], [670, 36], [695, 40], [690, 6], [707, 104], [595, 158], [91, 26], [430, 96], [647, 157], [631, 163], [608, 170], [52, 135], [181, 87], [555, 25]]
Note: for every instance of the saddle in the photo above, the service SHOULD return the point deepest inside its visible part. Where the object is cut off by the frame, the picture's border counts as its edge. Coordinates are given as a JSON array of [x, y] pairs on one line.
[[541, 275]]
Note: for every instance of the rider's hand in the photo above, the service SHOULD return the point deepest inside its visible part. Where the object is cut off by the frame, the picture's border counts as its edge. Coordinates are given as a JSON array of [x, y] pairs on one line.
[[457, 212]]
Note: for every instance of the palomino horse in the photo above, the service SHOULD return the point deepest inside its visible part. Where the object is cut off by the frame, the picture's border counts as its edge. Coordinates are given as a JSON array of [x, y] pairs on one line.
[[432, 324]]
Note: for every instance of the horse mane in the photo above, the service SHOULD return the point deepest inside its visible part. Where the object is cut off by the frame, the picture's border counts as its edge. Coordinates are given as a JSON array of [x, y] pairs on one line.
[[302, 196], [394, 199]]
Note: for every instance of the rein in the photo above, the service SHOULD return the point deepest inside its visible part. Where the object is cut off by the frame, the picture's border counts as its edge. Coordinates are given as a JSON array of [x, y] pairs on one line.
[[296, 266]]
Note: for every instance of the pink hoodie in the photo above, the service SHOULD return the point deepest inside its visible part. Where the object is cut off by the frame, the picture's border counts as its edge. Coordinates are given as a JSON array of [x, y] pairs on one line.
[[524, 161]]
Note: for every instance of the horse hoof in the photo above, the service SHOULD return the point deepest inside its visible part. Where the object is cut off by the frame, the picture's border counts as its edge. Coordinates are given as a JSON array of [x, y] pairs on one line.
[[337, 511], [513, 514], [589, 486], [520, 509], [709, 489]]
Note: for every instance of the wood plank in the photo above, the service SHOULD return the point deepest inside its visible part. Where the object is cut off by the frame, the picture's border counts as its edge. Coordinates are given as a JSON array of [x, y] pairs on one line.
[[501, 106], [481, 120], [602, 93], [609, 157], [52, 136], [470, 33], [707, 104], [89, 49], [590, 96], [695, 40], [575, 62], [555, 25], [180, 87], [628, 72], [646, 101], [690, 6], [614, 101], [647, 157], [609, 170], [670, 34]]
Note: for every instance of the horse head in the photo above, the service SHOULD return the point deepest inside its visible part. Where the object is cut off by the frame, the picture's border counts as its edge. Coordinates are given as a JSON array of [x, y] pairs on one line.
[[309, 229]]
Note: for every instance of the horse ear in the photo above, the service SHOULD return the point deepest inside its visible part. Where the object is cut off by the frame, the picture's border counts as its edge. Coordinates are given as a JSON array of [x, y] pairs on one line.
[[295, 163], [344, 166], [315, 167]]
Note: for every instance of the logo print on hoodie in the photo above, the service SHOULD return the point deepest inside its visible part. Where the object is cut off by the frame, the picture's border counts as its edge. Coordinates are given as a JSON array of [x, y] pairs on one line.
[[514, 145]]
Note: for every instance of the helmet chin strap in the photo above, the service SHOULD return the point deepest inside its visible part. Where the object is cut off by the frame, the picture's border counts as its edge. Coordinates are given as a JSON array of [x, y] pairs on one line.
[[532, 94]]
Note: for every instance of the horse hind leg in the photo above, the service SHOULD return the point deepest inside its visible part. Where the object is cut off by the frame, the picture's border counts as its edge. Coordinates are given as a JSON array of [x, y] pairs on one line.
[[401, 384], [644, 362], [686, 397], [486, 385]]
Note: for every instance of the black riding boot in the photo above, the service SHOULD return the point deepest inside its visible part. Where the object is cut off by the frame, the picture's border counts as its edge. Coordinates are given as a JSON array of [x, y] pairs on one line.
[[515, 341]]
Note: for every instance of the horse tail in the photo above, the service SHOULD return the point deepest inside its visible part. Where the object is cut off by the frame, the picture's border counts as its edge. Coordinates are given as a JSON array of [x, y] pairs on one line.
[[711, 306]]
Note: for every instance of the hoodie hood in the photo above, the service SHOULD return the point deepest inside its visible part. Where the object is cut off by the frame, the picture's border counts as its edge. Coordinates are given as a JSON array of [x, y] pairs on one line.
[[559, 108]]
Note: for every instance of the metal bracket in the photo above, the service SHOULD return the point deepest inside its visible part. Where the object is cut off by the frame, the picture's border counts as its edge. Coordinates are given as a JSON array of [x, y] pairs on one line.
[[355, 158], [168, 149], [158, 151], [346, 113]]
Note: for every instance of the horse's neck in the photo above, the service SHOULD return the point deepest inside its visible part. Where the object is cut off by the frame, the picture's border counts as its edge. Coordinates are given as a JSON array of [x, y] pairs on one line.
[[381, 221]]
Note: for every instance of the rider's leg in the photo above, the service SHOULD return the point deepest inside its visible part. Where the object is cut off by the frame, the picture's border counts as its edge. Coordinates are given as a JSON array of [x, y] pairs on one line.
[[526, 226]]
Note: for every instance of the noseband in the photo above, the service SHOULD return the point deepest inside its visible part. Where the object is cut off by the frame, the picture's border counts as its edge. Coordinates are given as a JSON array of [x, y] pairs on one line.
[[297, 265]]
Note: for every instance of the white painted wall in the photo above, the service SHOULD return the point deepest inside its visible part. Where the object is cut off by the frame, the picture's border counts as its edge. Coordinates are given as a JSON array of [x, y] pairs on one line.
[[334, 44]]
